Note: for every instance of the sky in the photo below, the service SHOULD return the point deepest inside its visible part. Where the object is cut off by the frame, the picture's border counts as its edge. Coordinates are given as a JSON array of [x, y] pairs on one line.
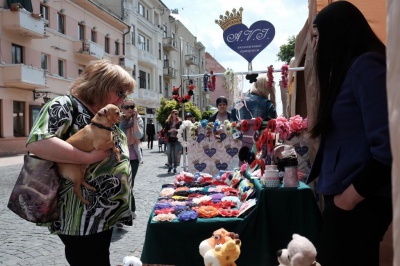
[[287, 16]]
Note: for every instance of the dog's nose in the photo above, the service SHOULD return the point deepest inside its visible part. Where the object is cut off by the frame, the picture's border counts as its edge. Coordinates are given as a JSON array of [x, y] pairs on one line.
[[279, 253]]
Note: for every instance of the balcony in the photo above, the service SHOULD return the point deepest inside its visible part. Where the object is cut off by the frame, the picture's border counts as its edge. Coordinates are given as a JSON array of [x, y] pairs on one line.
[[88, 50], [22, 76], [170, 44], [22, 22], [190, 59], [148, 96], [170, 72], [125, 62], [147, 58]]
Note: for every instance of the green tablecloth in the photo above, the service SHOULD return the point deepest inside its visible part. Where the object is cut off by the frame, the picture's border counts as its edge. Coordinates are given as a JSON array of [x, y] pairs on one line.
[[268, 227]]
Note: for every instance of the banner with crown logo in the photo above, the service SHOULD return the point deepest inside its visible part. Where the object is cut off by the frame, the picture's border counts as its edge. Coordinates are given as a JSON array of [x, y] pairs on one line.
[[247, 42]]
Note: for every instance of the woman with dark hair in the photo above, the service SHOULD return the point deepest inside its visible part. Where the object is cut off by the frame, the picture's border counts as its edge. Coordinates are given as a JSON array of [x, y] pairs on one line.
[[222, 114], [353, 162], [173, 123]]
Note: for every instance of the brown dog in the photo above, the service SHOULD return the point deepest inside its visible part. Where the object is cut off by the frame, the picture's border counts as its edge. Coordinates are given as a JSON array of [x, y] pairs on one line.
[[97, 135]]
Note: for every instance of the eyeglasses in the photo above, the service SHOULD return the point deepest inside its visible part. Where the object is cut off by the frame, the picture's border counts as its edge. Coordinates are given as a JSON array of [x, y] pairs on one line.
[[121, 94], [126, 107], [175, 113]]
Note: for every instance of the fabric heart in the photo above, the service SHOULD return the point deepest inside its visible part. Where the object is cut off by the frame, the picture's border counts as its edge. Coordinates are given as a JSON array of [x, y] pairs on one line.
[[232, 151], [301, 150], [221, 166], [249, 42], [200, 166], [222, 136], [200, 137], [210, 152]]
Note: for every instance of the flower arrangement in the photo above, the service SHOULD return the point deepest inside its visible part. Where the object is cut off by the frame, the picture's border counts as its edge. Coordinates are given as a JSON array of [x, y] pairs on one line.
[[186, 124], [287, 129], [284, 73], [231, 75]]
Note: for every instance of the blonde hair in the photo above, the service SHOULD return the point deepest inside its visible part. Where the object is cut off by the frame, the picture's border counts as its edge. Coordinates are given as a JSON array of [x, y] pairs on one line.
[[100, 78], [261, 88], [169, 119]]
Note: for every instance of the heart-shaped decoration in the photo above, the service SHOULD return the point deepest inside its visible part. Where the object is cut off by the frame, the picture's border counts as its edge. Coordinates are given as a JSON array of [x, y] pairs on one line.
[[249, 42], [210, 152], [301, 150], [200, 137], [200, 166], [222, 136], [232, 151], [221, 166]]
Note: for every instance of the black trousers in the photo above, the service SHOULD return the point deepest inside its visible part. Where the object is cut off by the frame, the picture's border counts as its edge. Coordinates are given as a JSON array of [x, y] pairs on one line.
[[353, 237], [88, 250], [150, 139]]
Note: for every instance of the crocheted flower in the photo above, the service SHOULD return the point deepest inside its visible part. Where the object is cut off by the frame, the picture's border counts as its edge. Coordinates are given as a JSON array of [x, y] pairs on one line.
[[207, 211], [164, 217], [187, 216], [167, 192], [282, 127], [296, 124]]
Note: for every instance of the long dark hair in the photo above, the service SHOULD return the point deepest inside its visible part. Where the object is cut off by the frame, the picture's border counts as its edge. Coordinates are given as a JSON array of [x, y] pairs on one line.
[[344, 34]]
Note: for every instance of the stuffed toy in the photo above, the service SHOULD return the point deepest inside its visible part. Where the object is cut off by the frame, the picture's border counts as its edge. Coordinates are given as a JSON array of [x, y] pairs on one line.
[[300, 252], [219, 236], [131, 261], [223, 255]]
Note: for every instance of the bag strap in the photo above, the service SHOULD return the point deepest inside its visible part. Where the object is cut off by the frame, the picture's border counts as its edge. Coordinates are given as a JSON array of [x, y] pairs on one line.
[[75, 113]]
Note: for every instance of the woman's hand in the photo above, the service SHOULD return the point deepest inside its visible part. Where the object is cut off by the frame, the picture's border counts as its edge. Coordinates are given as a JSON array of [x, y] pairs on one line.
[[348, 199]]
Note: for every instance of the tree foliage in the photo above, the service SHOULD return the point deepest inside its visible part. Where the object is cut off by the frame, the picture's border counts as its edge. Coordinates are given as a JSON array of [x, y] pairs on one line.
[[166, 106], [206, 114], [286, 51]]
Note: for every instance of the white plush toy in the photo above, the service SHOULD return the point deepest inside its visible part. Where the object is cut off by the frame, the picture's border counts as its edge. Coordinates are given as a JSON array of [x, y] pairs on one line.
[[300, 252], [131, 261]]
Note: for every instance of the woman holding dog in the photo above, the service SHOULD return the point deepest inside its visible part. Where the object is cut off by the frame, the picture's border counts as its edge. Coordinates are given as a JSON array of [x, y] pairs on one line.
[[86, 230], [353, 163], [173, 123], [133, 126]]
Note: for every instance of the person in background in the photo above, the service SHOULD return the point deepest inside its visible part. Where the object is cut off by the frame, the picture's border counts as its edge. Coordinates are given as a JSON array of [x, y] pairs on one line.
[[150, 131], [173, 123], [189, 116], [256, 102], [353, 162], [222, 114], [132, 125], [86, 230]]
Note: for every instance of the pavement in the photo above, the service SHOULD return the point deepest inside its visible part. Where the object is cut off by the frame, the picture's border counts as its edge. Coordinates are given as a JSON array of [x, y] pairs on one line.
[[25, 243]]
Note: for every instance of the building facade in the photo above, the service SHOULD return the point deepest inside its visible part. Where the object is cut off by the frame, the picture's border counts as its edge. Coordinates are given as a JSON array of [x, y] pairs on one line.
[[46, 44]]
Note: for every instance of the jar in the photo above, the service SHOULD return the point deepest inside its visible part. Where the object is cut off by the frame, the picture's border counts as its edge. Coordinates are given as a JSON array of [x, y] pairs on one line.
[[290, 178], [271, 176]]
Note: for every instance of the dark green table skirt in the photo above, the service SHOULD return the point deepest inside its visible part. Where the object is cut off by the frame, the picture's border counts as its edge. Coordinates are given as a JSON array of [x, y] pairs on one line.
[[268, 227]]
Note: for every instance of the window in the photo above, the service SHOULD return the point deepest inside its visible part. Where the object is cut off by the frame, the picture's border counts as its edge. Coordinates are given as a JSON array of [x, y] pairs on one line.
[[81, 32], [166, 90], [107, 44], [44, 61], [80, 69], [148, 45], [160, 84], [61, 68], [166, 63], [159, 50], [17, 54], [165, 30], [133, 35], [141, 9], [148, 80], [19, 119], [142, 42], [142, 79], [61, 23], [134, 72], [116, 51], [33, 113], [44, 11], [93, 36]]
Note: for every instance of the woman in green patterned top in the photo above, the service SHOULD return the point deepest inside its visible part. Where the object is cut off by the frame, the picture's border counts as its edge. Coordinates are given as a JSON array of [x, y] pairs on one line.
[[86, 230]]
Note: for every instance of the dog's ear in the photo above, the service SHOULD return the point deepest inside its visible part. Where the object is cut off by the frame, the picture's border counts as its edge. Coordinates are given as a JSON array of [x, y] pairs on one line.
[[103, 111]]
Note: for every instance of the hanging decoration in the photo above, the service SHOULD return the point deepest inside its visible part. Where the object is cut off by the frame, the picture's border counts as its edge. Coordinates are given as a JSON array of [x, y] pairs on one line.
[[212, 81], [270, 76], [229, 75], [186, 97], [284, 73], [206, 79]]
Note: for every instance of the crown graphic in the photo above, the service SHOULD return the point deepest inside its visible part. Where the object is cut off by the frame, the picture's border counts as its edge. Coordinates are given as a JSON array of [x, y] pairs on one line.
[[230, 19]]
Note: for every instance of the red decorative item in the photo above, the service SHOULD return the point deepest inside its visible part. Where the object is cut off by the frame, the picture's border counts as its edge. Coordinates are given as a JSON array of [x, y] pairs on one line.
[[270, 76], [186, 97], [271, 125], [257, 123], [212, 82], [244, 126], [285, 70]]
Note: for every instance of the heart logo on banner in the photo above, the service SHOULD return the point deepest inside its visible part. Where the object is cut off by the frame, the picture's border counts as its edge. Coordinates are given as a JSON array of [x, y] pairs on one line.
[[232, 151], [222, 136], [210, 152], [221, 166], [249, 42], [301, 150], [200, 166], [200, 137]]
